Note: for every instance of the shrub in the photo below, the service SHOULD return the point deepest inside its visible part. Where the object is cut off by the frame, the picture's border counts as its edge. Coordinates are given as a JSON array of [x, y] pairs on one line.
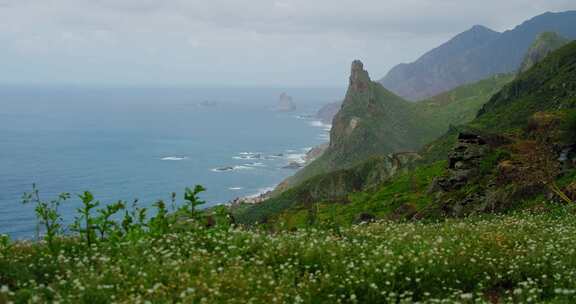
[[47, 214]]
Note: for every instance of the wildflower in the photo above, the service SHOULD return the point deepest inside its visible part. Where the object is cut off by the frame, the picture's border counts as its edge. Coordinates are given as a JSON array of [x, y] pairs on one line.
[[466, 296]]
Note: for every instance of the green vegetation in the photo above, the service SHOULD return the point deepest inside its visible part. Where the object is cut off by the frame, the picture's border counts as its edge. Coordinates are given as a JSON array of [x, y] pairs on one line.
[[549, 86], [405, 193], [484, 214], [460, 105], [545, 44], [354, 165], [534, 110], [521, 258], [333, 187], [386, 123]]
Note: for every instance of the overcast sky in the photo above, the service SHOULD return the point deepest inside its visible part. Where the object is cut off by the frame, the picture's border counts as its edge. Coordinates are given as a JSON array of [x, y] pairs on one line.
[[233, 42]]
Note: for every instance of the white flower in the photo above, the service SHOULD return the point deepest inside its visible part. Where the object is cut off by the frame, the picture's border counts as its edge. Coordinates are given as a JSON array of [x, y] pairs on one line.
[[4, 289]]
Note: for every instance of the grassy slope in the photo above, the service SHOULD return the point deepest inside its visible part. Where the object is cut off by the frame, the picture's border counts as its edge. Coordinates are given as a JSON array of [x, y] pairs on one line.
[[385, 126], [428, 119], [460, 106], [381, 202], [545, 43], [391, 124], [548, 86], [334, 186], [506, 259]]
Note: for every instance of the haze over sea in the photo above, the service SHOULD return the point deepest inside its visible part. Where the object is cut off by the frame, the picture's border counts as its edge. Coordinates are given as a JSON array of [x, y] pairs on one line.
[[127, 143]]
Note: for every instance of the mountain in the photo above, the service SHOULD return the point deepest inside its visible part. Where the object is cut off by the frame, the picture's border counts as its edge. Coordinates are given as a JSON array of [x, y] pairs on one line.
[[520, 147], [474, 55], [370, 141], [518, 151], [545, 44], [373, 121]]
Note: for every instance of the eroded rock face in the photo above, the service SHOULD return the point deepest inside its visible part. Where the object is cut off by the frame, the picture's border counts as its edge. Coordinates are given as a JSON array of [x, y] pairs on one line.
[[463, 162], [357, 97], [359, 78]]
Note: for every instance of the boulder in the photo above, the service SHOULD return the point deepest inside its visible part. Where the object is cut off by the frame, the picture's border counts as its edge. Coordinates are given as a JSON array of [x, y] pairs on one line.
[[365, 218], [404, 212]]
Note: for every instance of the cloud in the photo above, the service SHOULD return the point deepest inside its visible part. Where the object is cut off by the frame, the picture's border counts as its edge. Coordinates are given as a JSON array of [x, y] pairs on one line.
[[212, 42]]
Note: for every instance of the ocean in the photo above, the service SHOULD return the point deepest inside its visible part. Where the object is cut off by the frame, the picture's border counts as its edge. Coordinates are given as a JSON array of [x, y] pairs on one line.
[[144, 143]]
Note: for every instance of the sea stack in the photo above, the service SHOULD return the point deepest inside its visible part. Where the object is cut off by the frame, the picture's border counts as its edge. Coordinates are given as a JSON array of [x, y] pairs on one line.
[[285, 103]]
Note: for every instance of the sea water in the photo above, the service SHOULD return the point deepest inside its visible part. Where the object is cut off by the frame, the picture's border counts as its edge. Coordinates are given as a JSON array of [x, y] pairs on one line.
[[144, 143]]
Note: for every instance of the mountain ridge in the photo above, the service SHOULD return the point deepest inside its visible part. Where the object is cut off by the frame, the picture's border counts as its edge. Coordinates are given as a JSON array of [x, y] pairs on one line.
[[441, 69]]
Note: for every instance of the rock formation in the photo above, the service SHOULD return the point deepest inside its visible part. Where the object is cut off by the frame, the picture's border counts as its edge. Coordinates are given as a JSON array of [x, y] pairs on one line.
[[285, 103], [545, 44]]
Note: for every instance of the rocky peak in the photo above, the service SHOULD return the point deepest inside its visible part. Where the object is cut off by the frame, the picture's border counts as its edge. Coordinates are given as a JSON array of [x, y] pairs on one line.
[[359, 78], [480, 29]]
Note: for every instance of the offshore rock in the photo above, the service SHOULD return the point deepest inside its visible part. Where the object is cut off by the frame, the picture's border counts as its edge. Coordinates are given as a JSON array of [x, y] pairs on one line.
[[286, 103]]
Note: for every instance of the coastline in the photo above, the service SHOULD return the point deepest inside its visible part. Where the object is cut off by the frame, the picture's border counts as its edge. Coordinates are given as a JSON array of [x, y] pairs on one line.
[[267, 193]]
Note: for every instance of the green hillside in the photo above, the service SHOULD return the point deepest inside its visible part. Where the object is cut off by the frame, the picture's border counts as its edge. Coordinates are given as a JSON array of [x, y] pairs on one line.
[[522, 258], [375, 122], [545, 44], [486, 165], [369, 155]]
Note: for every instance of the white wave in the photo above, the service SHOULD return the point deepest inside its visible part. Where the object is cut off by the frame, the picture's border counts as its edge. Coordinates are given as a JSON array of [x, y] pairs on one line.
[[305, 116], [255, 165], [248, 156], [231, 168], [296, 157], [174, 158], [319, 124], [261, 191], [274, 156], [235, 188]]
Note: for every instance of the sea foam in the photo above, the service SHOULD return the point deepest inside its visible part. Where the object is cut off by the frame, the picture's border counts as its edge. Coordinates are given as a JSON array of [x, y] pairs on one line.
[[174, 158]]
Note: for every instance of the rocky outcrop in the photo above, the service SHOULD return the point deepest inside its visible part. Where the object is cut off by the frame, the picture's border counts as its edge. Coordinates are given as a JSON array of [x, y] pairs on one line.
[[315, 152], [463, 163], [545, 44], [372, 121], [359, 78], [285, 103]]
